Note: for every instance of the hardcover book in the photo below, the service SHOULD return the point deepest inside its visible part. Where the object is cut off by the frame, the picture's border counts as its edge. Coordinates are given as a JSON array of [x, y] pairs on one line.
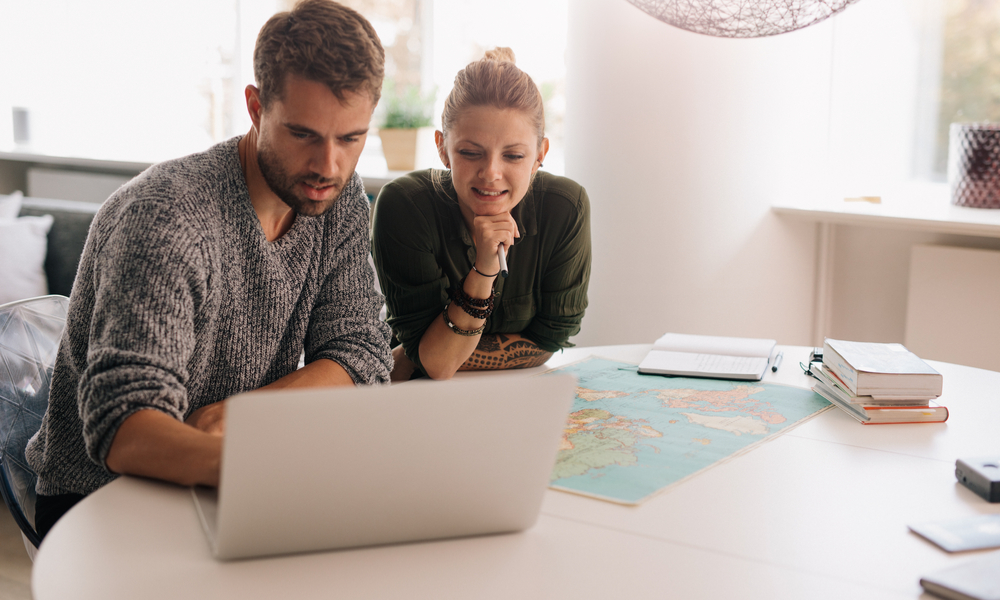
[[975, 579], [880, 415], [875, 369], [838, 387]]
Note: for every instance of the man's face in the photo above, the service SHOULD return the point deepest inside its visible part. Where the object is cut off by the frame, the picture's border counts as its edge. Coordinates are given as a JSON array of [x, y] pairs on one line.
[[309, 142]]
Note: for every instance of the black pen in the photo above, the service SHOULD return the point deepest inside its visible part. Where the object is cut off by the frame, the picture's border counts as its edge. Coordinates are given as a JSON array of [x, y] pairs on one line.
[[777, 362]]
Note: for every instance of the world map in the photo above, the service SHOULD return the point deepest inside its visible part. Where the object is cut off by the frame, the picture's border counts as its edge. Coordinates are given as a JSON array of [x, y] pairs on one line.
[[630, 436]]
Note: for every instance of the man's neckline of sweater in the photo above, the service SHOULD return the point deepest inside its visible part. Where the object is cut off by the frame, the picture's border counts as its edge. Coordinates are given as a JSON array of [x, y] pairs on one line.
[[275, 217]]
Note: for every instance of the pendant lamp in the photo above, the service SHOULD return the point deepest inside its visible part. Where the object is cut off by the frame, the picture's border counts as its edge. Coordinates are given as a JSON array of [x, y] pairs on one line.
[[741, 18]]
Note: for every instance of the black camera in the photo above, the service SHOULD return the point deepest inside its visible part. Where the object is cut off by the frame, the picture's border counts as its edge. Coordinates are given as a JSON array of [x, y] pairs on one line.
[[981, 475]]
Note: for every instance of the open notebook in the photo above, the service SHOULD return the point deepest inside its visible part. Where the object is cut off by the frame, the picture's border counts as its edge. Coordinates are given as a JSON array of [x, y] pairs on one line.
[[709, 356]]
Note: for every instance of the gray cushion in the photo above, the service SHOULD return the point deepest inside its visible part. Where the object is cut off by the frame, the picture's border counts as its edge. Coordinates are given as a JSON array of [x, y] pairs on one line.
[[66, 238]]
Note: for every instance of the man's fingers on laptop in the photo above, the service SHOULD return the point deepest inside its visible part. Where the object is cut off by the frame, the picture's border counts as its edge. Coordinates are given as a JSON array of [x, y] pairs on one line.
[[210, 419]]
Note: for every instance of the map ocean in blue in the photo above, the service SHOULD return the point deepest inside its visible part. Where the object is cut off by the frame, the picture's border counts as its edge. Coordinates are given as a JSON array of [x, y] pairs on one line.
[[631, 435]]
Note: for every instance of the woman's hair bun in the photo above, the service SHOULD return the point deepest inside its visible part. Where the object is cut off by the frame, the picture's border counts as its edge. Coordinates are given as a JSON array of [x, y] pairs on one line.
[[495, 81], [500, 54]]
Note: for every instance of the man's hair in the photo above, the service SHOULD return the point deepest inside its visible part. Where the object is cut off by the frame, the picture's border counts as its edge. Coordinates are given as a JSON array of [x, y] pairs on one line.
[[321, 41]]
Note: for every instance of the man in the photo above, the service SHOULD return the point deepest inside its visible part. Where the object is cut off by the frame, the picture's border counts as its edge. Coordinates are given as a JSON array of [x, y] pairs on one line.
[[210, 275]]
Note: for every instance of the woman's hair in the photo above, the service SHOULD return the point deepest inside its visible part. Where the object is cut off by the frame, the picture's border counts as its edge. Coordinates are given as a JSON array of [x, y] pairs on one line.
[[321, 41], [495, 80]]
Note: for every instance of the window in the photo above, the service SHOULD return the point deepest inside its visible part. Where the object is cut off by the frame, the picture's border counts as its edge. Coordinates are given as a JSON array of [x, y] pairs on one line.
[[147, 81], [970, 69], [903, 71], [119, 79]]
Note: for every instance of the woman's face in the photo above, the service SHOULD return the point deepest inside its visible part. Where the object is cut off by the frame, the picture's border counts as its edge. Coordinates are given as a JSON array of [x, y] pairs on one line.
[[492, 154]]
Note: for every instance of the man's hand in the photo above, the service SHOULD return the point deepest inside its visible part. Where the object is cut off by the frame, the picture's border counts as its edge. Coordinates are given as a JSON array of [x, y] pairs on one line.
[[154, 444], [210, 419]]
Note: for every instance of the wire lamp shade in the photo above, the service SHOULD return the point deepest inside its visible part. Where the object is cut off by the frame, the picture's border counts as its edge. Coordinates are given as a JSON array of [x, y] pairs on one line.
[[741, 18]]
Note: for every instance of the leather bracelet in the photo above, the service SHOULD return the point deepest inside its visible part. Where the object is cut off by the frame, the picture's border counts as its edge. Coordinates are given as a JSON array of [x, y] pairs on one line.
[[456, 329], [483, 274]]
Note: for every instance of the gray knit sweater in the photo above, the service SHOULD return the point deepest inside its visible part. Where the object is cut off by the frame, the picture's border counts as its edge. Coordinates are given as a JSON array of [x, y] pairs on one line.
[[180, 301]]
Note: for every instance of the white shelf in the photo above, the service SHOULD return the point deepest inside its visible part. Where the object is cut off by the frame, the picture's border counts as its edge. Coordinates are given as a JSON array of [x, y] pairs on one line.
[[915, 207], [371, 166], [94, 164]]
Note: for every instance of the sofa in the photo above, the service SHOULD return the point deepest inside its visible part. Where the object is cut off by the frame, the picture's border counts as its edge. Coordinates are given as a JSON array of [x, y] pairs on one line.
[[70, 224]]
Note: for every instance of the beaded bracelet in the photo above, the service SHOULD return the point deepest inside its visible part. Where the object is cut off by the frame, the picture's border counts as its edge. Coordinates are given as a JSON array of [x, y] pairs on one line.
[[464, 298], [456, 329], [477, 308], [475, 313]]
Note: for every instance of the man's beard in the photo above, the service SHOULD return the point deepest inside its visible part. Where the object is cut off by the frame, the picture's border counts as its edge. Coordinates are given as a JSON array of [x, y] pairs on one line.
[[284, 185]]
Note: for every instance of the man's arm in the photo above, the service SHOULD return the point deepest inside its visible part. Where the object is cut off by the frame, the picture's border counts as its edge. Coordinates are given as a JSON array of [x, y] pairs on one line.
[[344, 323], [319, 373], [154, 444], [322, 372], [133, 397], [131, 392]]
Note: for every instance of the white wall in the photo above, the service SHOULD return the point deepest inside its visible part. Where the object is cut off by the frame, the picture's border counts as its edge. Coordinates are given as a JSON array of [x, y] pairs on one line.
[[683, 141], [963, 283], [871, 278], [885, 81]]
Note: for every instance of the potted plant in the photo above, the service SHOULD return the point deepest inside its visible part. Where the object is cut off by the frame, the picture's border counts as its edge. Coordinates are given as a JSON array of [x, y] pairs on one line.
[[407, 137]]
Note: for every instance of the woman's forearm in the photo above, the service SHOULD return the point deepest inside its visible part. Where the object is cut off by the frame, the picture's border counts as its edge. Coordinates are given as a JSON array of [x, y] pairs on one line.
[[505, 351], [442, 351]]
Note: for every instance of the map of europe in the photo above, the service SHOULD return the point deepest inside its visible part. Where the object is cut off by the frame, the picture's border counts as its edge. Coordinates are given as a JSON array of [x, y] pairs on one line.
[[630, 436]]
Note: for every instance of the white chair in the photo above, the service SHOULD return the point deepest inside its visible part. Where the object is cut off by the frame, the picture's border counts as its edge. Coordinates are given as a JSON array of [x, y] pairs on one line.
[[29, 339]]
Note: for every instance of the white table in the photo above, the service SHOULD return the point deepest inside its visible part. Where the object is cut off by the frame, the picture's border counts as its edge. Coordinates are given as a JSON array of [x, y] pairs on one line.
[[818, 512]]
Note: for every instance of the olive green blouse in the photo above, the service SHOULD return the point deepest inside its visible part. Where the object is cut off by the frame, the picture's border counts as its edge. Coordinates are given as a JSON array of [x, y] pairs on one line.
[[422, 248]]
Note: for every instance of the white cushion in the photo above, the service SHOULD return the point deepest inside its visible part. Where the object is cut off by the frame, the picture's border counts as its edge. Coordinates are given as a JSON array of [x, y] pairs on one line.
[[10, 206], [22, 257]]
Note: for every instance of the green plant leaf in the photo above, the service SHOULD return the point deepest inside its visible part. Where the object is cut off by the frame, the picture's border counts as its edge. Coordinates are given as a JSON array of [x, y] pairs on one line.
[[408, 109]]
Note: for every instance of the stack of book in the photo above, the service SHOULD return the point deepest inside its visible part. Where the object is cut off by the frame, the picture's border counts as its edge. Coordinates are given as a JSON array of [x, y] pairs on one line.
[[879, 383]]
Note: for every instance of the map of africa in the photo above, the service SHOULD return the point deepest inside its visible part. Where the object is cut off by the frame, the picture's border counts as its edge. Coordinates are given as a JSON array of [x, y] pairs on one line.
[[630, 435]]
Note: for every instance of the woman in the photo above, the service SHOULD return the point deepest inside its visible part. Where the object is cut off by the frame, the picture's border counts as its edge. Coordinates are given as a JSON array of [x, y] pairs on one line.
[[437, 235]]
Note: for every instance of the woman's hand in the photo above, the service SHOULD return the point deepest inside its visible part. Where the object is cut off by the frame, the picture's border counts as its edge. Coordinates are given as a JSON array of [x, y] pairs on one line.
[[443, 352], [488, 233]]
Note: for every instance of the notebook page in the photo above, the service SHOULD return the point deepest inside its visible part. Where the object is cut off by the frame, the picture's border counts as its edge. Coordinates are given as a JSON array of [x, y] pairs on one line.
[[689, 362], [710, 344]]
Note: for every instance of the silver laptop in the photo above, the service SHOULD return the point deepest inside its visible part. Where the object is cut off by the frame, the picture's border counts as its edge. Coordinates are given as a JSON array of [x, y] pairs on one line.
[[310, 470]]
